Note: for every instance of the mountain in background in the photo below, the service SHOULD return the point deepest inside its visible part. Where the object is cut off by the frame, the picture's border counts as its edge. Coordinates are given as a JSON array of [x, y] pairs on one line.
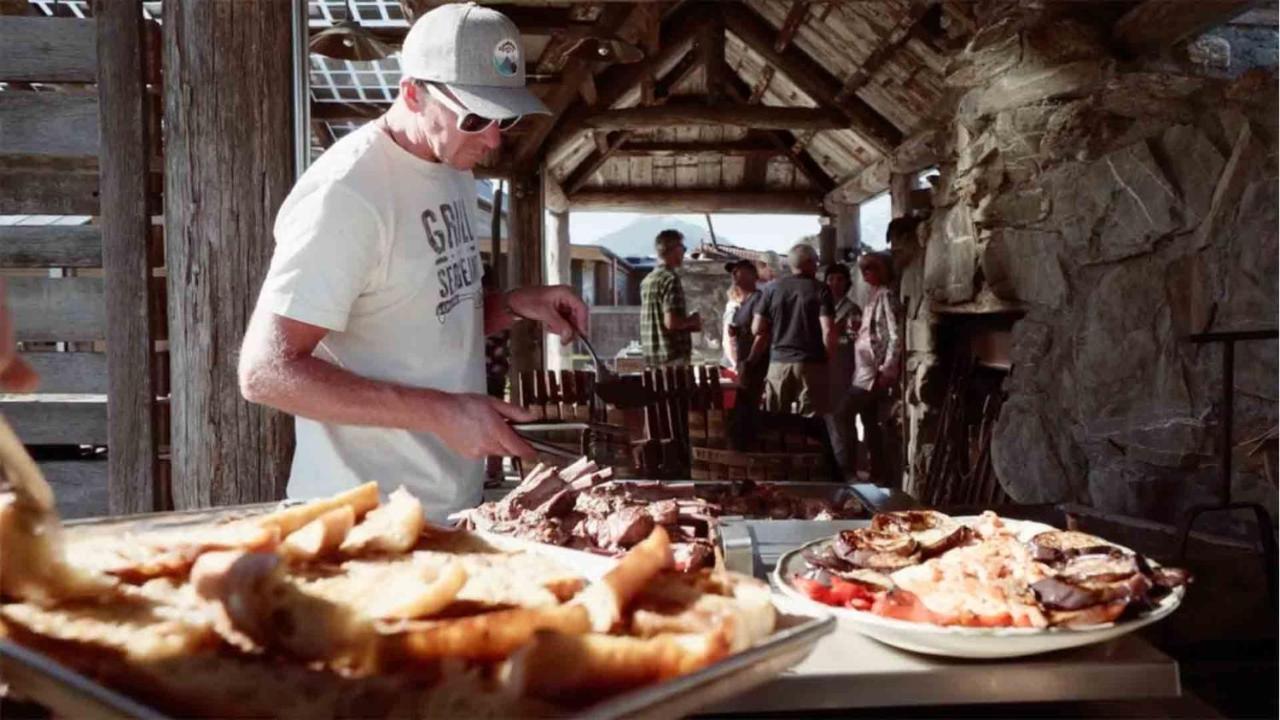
[[636, 239]]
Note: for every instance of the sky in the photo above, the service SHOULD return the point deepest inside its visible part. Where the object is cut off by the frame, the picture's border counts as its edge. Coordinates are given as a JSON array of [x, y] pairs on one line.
[[758, 232]]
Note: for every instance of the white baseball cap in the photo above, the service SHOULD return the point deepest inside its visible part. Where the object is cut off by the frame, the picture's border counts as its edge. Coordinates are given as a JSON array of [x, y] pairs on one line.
[[476, 53]]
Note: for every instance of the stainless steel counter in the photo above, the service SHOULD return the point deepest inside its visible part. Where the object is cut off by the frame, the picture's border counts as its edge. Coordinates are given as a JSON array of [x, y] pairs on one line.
[[850, 670]]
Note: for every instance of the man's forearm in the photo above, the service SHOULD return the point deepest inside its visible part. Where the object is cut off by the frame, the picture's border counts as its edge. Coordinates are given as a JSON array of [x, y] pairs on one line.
[[312, 388]]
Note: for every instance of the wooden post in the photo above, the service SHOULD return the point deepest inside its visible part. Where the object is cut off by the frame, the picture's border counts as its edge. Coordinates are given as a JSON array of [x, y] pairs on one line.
[[125, 223], [228, 166], [524, 263], [848, 229], [827, 239], [557, 268], [900, 193]]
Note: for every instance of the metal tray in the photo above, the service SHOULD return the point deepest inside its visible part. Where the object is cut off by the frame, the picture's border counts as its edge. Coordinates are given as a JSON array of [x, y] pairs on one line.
[[831, 492], [39, 678]]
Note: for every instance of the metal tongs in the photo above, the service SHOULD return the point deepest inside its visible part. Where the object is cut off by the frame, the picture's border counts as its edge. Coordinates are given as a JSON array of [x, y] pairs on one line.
[[613, 390]]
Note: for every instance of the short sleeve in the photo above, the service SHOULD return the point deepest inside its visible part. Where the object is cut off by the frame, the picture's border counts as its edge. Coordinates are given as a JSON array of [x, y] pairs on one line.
[[673, 298], [328, 244], [763, 305], [828, 308]]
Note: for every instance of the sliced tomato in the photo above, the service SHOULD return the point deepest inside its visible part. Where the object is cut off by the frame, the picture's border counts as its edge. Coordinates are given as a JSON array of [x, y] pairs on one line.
[[814, 589], [903, 605], [845, 593]]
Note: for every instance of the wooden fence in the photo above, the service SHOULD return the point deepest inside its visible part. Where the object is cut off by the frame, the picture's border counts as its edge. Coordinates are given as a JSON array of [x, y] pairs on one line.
[[77, 119]]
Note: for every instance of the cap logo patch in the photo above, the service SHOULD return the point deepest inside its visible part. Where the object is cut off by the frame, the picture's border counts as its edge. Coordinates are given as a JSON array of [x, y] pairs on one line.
[[506, 58]]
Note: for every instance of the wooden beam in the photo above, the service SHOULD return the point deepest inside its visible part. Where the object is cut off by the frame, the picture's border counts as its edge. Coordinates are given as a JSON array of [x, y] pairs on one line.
[[47, 192], [794, 19], [79, 486], [524, 266], [46, 246], [48, 50], [558, 272], [595, 161], [915, 153], [617, 82], [710, 52], [70, 372], [761, 86], [812, 79], [697, 201], [888, 45], [662, 88], [739, 115], [786, 142], [1155, 25], [48, 123], [48, 422], [564, 94], [57, 309], [530, 20], [126, 222], [218, 221], [753, 145]]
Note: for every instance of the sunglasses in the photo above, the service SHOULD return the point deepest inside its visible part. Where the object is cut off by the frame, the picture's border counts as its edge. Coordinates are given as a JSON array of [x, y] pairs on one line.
[[469, 122]]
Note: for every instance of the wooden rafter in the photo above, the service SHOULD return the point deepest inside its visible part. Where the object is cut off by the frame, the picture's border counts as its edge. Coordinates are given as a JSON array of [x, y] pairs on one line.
[[595, 161], [564, 94], [888, 45], [1158, 24], [812, 79], [711, 54], [786, 143], [660, 92], [751, 145], [735, 115], [680, 29], [795, 18]]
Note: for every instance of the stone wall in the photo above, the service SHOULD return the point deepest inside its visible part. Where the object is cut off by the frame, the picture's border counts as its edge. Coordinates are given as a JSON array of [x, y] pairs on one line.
[[1120, 209]]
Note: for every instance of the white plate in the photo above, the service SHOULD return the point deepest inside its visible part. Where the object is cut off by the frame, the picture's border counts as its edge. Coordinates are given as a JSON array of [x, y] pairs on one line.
[[966, 642]]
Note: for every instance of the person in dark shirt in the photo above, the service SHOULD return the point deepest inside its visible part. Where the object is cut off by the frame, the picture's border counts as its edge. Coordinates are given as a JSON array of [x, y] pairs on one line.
[[750, 367], [797, 315]]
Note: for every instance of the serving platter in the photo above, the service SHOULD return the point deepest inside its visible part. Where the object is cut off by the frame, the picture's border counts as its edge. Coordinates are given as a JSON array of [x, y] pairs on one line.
[[967, 642], [40, 678]]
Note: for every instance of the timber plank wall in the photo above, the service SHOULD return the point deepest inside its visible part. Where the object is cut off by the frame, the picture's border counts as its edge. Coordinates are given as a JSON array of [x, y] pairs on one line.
[[84, 300]]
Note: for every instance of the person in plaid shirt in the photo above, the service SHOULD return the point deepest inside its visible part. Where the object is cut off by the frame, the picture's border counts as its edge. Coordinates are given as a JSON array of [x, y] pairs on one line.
[[666, 332]]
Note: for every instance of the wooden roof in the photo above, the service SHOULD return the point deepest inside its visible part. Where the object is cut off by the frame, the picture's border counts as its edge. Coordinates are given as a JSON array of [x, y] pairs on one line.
[[754, 106], [855, 78]]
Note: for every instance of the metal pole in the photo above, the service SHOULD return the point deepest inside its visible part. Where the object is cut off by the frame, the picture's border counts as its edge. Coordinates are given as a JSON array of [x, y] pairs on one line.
[[301, 88]]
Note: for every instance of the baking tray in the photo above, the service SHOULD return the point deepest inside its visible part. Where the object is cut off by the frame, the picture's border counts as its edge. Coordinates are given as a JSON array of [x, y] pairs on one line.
[[41, 679]]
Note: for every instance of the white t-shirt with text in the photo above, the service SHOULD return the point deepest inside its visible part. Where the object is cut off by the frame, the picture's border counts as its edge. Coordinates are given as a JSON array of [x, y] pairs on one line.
[[379, 247]]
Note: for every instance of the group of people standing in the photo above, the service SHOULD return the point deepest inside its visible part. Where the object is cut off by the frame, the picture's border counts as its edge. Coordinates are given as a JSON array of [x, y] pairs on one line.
[[797, 344]]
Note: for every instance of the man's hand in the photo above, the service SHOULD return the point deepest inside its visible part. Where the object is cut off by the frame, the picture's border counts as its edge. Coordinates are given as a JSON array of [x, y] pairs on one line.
[[555, 306], [475, 426]]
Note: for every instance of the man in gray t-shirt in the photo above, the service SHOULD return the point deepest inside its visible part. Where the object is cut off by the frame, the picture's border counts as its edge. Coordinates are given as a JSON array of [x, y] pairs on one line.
[[797, 313]]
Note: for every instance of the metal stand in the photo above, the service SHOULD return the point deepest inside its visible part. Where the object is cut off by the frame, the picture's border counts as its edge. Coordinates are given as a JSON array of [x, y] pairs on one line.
[[1266, 538]]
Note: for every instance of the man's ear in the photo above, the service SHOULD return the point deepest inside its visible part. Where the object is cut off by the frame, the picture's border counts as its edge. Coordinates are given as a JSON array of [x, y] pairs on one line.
[[412, 94]]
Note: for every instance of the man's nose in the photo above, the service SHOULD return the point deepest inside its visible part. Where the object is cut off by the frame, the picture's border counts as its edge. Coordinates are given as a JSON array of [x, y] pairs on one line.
[[491, 136]]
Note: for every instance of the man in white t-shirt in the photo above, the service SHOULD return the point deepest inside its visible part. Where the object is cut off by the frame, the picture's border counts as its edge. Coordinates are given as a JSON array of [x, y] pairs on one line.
[[371, 321]]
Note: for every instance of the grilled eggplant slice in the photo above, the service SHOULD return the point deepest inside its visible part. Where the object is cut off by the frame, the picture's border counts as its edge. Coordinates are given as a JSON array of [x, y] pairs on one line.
[[1056, 546], [935, 532], [876, 550]]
